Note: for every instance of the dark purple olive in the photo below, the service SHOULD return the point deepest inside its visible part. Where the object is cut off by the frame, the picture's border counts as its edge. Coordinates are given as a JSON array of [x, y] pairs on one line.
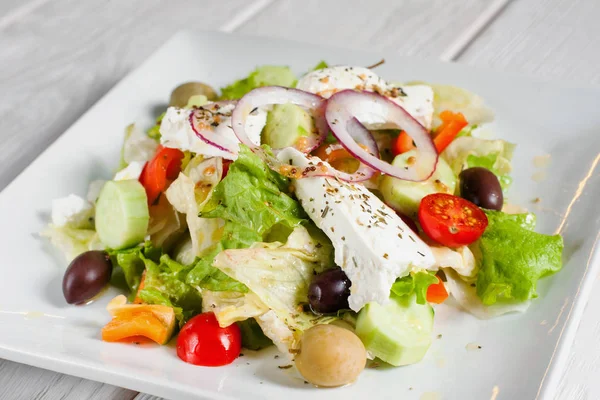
[[86, 276], [481, 187], [329, 291]]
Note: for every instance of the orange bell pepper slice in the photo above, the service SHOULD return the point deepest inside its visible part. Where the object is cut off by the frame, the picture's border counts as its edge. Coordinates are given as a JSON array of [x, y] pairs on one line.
[[130, 321], [452, 124], [402, 144], [138, 299], [437, 292]]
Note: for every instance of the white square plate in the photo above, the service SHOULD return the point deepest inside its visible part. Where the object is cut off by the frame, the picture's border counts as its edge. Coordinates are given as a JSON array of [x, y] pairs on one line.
[[521, 355]]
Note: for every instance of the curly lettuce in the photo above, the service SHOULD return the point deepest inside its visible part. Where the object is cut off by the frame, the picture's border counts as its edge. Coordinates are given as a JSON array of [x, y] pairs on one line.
[[417, 283], [514, 258], [267, 75]]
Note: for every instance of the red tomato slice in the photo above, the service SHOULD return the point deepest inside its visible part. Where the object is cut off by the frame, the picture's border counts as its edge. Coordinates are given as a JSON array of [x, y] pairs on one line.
[[203, 342], [451, 221], [159, 171]]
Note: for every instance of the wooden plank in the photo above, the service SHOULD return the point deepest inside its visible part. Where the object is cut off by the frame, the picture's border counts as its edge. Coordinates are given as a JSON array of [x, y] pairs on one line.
[[413, 27], [8, 7], [550, 39], [18, 381], [52, 69]]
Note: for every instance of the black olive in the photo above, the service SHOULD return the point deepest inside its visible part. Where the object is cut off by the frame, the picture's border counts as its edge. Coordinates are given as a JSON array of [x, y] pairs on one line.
[[329, 291], [481, 187], [86, 276]]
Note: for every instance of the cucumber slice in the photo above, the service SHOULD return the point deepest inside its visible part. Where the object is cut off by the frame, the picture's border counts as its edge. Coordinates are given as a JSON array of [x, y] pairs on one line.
[[122, 214], [286, 124], [405, 196], [399, 332]]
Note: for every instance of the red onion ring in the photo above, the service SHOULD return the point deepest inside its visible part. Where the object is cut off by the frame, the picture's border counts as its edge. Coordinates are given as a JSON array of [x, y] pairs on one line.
[[208, 135], [343, 113], [269, 95]]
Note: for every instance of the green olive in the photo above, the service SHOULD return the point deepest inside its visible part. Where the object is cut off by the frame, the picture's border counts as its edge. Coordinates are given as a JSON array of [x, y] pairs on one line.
[[330, 356], [183, 92]]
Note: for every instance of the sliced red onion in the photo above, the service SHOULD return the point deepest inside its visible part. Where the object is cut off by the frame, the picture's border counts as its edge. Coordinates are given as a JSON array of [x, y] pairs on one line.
[[344, 111], [206, 133], [270, 95]]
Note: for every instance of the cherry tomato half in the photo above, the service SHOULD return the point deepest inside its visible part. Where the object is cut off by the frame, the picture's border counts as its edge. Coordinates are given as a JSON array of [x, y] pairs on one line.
[[202, 341], [450, 220], [157, 173]]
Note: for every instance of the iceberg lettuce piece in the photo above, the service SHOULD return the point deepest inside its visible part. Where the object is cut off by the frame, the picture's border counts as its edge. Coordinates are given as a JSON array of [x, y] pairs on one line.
[[467, 152], [137, 146], [72, 241], [466, 296], [279, 275], [188, 194]]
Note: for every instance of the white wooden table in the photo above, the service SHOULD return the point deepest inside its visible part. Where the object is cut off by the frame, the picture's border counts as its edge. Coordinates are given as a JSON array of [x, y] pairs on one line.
[[58, 57]]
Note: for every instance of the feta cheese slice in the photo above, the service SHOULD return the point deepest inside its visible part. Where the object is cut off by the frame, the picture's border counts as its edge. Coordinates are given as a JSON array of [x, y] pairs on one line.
[[72, 211], [417, 100], [176, 131], [372, 244]]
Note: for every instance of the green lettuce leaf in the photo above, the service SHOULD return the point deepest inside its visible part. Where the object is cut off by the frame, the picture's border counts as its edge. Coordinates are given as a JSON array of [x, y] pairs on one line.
[[253, 337], [129, 264], [322, 64], [154, 131], [467, 152], [254, 196], [165, 284], [417, 282], [514, 258], [267, 75], [205, 276]]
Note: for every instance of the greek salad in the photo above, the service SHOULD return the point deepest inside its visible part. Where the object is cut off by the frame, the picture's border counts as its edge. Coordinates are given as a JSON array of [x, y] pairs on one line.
[[327, 215]]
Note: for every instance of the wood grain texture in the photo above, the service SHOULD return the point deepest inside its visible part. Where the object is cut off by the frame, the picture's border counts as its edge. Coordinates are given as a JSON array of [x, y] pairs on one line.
[[420, 28], [65, 55], [8, 6], [22, 382], [549, 39]]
